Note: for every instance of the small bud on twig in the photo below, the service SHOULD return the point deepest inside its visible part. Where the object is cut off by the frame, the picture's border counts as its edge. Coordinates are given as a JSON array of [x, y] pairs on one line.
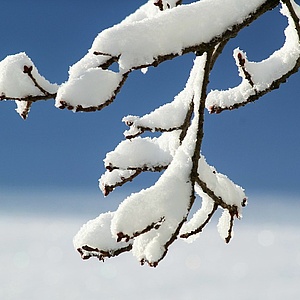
[[241, 59], [27, 70]]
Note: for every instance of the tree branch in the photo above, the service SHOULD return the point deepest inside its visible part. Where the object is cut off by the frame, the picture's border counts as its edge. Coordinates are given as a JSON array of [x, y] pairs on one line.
[[107, 188], [275, 84], [87, 252], [200, 228], [218, 200]]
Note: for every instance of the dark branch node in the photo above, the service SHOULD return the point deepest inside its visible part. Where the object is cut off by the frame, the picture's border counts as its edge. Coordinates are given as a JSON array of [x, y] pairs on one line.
[[160, 4], [244, 202], [27, 70]]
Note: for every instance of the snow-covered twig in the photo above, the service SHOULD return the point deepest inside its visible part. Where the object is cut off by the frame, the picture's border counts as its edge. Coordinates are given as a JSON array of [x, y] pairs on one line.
[[260, 78], [92, 86]]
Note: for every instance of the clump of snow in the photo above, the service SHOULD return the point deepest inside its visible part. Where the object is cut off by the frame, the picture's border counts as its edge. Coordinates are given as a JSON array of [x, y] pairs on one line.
[[222, 186], [138, 153], [162, 34], [16, 84], [167, 200], [96, 234], [130, 157], [224, 225], [92, 89], [22, 106]]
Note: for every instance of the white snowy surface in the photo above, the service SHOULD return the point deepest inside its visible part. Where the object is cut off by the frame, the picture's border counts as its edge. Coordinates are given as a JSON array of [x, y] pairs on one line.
[[38, 261]]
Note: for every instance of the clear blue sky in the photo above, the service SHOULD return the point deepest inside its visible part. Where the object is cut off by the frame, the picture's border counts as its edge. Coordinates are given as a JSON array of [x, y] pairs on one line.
[[257, 146]]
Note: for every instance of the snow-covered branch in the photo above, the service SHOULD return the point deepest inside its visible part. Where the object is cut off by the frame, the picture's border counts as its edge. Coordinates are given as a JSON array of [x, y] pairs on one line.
[[150, 40], [94, 239], [153, 35], [20, 81], [259, 78], [152, 219], [149, 221]]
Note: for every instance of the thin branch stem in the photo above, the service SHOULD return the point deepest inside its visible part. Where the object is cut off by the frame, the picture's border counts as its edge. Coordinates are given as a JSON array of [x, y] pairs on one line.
[[217, 51], [274, 85], [201, 227], [87, 252], [218, 200], [109, 188], [293, 15], [28, 70]]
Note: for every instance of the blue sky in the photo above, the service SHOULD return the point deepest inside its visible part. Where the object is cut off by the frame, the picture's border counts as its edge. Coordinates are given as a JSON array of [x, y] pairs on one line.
[[256, 146]]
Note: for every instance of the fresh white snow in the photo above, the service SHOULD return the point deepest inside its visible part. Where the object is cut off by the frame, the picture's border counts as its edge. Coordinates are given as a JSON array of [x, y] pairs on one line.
[[146, 35], [14, 83], [263, 73]]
